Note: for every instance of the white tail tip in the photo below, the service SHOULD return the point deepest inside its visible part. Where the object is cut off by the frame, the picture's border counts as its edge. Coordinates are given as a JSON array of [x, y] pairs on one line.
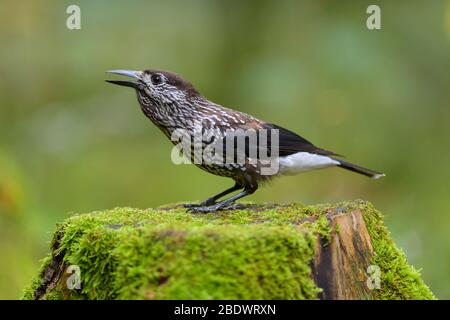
[[378, 176]]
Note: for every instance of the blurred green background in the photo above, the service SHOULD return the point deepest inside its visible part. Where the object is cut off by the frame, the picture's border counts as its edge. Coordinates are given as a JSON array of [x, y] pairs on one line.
[[69, 142]]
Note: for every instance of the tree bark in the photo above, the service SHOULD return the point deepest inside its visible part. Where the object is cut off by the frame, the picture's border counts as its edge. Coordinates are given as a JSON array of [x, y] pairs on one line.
[[340, 265]]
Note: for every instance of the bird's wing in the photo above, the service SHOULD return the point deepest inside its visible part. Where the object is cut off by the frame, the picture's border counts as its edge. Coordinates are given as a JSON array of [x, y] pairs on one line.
[[290, 142]]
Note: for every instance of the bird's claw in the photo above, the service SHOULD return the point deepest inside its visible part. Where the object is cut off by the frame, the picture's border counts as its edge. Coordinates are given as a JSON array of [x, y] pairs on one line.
[[200, 209], [213, 208], [196, 205], [190, 205]]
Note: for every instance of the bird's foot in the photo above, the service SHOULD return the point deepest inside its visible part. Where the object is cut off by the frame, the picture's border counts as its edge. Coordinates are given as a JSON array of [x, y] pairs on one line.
[[204, 209], [215, 207], [197, 205], [191, 205], [234, 206]]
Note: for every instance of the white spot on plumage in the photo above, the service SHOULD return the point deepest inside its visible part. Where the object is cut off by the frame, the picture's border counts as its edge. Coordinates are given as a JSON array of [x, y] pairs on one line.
[[304, 161]]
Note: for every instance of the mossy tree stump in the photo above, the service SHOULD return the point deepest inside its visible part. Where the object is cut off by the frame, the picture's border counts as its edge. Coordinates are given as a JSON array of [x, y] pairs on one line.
[[259, 252]]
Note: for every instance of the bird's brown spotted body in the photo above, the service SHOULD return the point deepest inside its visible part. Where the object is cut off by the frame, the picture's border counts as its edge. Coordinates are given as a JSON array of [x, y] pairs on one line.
[[177, 108]]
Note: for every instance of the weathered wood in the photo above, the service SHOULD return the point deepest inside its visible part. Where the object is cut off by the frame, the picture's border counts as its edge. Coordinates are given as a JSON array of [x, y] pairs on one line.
[[340, 264]]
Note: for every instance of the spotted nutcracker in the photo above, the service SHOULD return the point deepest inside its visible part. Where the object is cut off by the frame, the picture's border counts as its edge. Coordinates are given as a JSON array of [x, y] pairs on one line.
[[173, 104]]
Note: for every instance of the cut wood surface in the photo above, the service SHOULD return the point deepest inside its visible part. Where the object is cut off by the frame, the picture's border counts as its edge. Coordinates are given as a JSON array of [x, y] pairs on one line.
[[340, 266]]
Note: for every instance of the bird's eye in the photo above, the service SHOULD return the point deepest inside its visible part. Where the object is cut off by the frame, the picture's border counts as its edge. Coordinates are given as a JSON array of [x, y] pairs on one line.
[[156, 79]]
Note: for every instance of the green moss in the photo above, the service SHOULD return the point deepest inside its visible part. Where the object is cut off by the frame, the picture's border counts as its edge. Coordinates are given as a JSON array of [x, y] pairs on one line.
[[399, 280], [28, 293], [262, 252]]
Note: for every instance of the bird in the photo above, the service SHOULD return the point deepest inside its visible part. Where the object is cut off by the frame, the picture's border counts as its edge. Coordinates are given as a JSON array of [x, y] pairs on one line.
[[174, 105]]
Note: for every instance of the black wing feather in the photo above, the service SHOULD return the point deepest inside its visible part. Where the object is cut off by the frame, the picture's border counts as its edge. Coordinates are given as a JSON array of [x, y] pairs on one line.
[[291, 143]]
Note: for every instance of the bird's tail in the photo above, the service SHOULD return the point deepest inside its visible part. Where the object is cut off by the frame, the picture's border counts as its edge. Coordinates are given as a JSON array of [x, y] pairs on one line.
[[358, 169]]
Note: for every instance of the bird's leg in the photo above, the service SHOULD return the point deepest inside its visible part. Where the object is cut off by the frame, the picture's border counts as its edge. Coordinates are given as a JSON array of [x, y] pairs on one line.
[[224, 203], [212, 200]]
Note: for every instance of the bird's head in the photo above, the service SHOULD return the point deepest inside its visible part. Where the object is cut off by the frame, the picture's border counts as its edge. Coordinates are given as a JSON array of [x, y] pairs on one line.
[[156, 87]]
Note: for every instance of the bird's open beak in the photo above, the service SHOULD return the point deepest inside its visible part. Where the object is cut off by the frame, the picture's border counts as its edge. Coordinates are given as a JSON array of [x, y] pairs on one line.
[[126, 83]]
